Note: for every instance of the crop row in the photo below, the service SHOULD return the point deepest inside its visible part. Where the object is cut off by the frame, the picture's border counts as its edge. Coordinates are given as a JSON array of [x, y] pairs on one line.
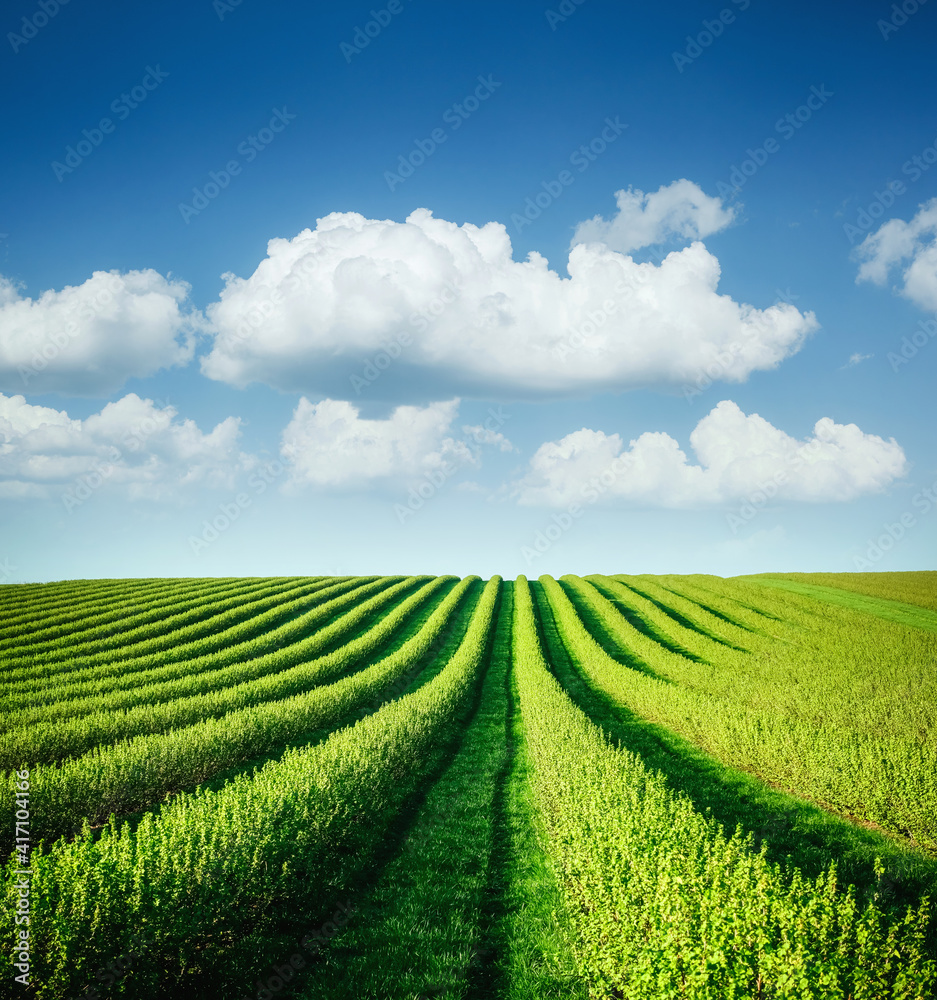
[[33, 629], [883, 777], [96, 642], [188, 699], [223, 634], [647, 617], [689, 614], [212, 864], [824, 665], [42, 599], [664, 903], [190, 673], [700, 590], [139, 772]]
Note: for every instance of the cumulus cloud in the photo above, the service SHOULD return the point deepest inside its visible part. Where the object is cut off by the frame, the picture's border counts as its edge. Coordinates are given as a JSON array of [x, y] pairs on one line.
[[739, 455], [328, 444], [910, 246], [447, 306], [681, 209], [134, 446], [88, 339]]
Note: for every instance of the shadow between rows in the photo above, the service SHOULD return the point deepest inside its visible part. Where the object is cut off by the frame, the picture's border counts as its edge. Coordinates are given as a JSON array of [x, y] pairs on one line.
[[340, 641], [603, 636], [488, 980], [635, 619], [735, 600], [124, 655], [715, 612], [33, 630], [358, 868], [415, 676], [671, 613], [794, 832]]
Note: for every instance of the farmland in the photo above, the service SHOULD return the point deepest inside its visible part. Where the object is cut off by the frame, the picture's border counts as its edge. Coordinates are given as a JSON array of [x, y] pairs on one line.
[[426, 787]]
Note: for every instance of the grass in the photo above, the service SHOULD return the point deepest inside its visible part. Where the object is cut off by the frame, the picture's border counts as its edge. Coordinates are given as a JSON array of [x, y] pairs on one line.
[[893, 611], [449, 879], [466, 907], [793, 829]]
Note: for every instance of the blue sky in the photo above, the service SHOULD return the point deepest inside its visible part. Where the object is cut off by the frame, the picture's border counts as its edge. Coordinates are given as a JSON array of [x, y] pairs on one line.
[[395, 385]]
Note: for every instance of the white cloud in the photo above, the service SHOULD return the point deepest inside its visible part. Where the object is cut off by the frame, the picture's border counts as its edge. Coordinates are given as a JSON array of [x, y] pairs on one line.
[[461, 317], [329, 445], [680, 209], [133, 446], [739, 455], [896, 242], [856, 359], [484, 435], [89, 339]]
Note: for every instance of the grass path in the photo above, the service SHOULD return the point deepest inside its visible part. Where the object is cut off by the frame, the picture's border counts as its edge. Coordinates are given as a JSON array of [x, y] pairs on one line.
[[893, 611], [466, 907]]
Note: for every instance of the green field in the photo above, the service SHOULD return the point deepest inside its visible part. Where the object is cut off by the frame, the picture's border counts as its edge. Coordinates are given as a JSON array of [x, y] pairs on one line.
[[426, 787]]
